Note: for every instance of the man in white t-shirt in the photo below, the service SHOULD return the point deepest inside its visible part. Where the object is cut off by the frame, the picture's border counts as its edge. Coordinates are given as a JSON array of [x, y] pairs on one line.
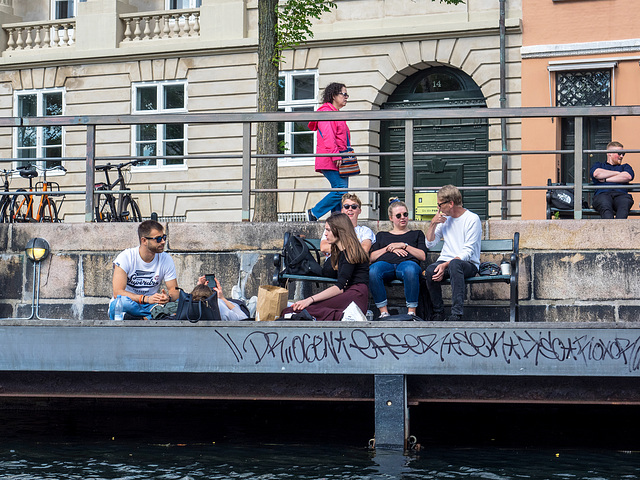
[[352, 208], [138, 273], [461, 230]]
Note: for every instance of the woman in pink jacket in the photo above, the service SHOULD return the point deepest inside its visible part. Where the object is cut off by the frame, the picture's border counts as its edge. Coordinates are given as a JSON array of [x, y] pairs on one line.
[[332, 137]]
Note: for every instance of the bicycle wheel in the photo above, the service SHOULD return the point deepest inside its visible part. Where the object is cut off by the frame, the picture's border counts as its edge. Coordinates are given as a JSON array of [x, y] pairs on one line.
[[130, 210], [19, 209], [5, 210], [48, 211], [105, 208]]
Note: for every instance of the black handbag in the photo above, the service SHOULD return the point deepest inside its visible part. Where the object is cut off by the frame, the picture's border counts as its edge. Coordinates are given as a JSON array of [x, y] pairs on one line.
[[194, 310]]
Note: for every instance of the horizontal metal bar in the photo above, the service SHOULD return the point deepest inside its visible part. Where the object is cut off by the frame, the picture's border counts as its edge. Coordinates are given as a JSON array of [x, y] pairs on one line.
[[352, 115]]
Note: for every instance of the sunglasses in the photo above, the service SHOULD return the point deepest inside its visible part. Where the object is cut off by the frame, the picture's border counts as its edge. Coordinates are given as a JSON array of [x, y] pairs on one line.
[[403, 214], [353, 206], [621, 154], [345, 95], [158, 239]]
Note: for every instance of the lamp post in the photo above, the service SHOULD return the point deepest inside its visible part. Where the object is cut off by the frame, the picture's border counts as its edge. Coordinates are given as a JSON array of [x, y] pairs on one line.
[[37, 250]]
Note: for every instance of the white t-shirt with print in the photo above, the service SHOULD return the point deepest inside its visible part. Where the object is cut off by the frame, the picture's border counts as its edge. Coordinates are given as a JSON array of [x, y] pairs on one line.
[[145, 278]]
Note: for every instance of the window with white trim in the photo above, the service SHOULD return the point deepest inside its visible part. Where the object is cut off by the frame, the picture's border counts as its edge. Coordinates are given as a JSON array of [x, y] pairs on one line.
[[297, 93], [39, 142], [160, 140], [182, 4], [61, 9]]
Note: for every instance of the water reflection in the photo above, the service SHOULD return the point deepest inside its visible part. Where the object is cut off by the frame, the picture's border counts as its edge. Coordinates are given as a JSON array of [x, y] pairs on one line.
[[191, 441]]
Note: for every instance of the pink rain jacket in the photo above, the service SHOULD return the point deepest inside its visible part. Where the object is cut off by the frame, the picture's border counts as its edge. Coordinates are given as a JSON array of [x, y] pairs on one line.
[[332, 137]]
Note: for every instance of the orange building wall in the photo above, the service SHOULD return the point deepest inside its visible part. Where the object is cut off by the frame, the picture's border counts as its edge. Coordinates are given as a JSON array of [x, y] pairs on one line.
[[544, 23], [573, 21]]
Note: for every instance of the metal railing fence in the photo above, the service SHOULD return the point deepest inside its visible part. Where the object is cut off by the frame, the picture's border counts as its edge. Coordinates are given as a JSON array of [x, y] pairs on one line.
[[247, 120]]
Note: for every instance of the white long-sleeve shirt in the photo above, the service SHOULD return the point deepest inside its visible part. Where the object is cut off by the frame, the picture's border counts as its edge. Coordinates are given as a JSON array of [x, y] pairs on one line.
[[462, 238]]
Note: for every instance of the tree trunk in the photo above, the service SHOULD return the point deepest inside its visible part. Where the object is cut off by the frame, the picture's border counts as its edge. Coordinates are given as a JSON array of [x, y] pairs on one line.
[[266, 204]]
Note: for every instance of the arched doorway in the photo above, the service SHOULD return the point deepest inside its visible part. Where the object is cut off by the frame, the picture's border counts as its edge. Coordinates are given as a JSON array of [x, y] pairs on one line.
[[438, 87]]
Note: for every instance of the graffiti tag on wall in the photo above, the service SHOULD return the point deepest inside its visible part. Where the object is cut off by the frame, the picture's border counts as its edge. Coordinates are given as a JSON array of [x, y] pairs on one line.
[[341, 346]]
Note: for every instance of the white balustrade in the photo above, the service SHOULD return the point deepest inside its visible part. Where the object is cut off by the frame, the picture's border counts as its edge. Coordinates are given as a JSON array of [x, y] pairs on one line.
[[38, 35], [161, 25]]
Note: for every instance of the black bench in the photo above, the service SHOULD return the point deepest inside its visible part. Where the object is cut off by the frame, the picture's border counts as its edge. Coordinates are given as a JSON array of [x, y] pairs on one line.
[[553, 211], [509, 247]]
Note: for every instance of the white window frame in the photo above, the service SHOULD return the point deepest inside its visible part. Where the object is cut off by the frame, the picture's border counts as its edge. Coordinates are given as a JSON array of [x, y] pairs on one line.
[[53, 8], [288, 105], [159, 127], [39, 130], [192, 4], [565, 66]]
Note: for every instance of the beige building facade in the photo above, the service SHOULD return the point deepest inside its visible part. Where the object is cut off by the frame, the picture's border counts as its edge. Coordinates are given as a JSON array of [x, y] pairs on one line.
[[109, 57]]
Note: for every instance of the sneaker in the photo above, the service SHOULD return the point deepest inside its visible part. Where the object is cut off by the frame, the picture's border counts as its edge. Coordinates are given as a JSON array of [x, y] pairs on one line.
[[384, 315], [454, 318], [311, 217], [160, 310], [437, 317]]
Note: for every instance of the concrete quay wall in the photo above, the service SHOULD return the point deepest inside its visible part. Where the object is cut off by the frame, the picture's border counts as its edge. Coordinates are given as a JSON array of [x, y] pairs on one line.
[[570, 270]]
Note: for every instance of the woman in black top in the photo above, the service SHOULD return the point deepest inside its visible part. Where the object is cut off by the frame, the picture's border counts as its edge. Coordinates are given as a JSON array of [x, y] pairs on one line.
[[397, 254], [350, 264]]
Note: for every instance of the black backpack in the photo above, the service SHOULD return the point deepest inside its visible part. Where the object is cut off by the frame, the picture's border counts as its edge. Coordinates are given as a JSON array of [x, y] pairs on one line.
[[298, 259], [561, 199]]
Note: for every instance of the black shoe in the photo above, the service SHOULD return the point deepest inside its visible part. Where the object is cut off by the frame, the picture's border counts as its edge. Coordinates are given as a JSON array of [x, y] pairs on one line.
[[437, 317], [311, 217], [454, 318]]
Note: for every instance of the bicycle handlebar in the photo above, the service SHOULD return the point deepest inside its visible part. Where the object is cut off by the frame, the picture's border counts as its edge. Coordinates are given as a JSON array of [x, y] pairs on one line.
[[120, 166], [37, 168]]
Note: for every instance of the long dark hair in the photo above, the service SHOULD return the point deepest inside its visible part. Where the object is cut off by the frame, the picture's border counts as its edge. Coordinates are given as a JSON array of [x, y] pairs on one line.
[[343, 230], [331, 91]]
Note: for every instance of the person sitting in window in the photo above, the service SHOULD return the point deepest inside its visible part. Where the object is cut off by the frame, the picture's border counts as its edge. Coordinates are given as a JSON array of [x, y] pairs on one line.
[[397, 254], [612, 200]]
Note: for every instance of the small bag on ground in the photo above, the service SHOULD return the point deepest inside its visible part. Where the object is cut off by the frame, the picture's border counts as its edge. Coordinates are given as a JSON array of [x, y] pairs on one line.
[[194, 311], [271, 301], [298, 259]]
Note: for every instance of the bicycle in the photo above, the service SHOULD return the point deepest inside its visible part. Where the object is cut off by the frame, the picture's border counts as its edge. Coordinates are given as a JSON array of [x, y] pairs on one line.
[[127, 209], [5, 201], [22, 204]]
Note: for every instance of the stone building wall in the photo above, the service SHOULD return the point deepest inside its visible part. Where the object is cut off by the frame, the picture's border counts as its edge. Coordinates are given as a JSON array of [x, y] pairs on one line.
[[570, 270], [370, 45]]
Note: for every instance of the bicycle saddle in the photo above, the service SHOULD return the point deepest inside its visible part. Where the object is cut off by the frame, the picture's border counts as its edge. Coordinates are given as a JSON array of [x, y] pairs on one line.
[[28, 172]]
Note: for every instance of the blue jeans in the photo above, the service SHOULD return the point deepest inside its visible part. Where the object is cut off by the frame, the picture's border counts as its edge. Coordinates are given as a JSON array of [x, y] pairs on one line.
[[407, 271], [332, 200], [132, 308]]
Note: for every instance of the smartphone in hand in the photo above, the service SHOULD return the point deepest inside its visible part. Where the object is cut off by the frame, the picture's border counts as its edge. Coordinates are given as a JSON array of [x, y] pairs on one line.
[[211, 278]]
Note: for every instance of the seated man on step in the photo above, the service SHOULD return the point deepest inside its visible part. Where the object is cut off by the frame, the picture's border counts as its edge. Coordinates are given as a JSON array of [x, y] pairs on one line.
[[139, 271]]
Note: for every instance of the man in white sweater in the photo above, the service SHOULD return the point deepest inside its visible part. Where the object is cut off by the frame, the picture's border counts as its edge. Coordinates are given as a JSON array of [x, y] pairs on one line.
[[461, 230]]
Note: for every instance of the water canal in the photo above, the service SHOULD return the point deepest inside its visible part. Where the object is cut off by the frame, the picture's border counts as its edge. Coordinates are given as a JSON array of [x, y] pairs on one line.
[[197, 440]]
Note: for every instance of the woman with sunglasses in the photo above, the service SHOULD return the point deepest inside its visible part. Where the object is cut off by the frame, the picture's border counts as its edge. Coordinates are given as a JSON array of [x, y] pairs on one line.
[[350, 266], [332, 137], [397, 255]]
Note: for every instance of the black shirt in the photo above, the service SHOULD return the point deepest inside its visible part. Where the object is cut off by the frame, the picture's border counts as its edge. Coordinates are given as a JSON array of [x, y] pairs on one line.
[[414, 238], [348, 273]]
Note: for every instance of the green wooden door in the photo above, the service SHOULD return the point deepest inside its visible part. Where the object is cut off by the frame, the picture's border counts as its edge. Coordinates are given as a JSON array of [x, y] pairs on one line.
[[437, 87]]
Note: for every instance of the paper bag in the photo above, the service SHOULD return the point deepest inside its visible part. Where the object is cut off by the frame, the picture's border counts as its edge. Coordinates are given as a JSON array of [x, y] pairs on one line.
[[271, 301]]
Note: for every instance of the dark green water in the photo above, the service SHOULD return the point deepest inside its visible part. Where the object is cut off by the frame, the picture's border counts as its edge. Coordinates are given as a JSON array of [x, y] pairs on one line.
[[283, 441]]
